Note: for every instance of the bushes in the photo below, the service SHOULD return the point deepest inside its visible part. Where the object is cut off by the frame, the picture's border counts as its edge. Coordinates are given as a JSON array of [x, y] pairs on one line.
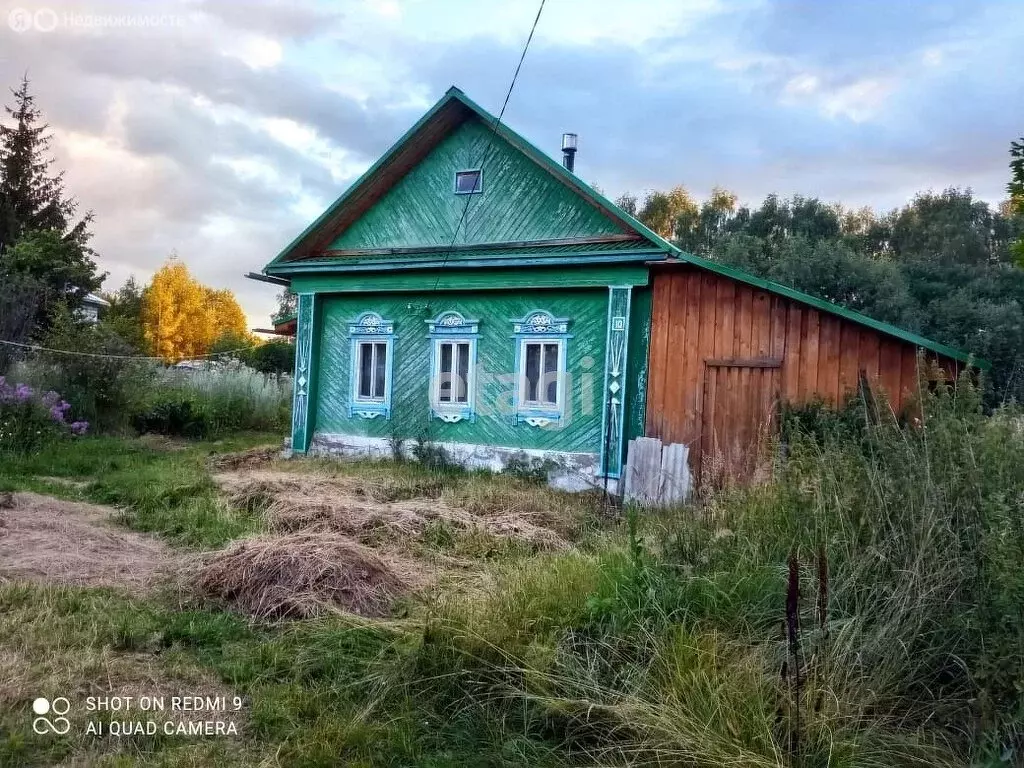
[[670, 647], [217, 401], [29, 420]]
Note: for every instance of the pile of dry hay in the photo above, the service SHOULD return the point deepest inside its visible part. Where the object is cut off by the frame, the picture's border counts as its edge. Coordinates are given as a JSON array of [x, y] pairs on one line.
[[300, 575], [346, 542], [371, 512]]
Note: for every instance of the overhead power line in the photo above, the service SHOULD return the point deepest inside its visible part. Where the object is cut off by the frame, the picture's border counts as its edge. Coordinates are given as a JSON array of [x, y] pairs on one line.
[[38, 348], [494, 130]]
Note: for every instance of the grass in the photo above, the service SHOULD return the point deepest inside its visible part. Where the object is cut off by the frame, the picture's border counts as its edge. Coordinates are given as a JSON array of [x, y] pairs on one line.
[[161, 487], [657, 639]]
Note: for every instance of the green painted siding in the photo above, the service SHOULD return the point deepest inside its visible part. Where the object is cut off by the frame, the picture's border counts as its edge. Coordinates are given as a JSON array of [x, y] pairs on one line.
[[520, 200], [639, 344], [581, 431], [487, 280]]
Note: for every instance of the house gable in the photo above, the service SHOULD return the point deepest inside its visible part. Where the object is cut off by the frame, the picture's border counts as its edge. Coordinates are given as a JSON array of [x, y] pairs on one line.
[[406, 205], [519, 202]]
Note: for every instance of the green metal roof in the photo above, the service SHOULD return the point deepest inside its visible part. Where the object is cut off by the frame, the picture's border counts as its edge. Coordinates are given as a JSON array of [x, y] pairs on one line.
[[853, 316]]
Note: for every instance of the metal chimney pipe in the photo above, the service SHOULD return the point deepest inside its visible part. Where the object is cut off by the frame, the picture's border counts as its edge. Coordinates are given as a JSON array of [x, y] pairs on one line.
[[569, 150]]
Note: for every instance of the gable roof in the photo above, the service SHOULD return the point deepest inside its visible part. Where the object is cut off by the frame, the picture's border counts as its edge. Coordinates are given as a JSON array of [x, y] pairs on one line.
[[455, 108]]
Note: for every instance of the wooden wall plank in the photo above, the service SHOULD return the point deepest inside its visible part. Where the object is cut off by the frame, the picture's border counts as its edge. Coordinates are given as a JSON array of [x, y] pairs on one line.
[[890, 366], [673, 406], [870, 350], [908, 376], [810, 352], [849, 368], [828, 359], [794, 352], [726, 317], [658, 357], [761, 327], [691, 379]]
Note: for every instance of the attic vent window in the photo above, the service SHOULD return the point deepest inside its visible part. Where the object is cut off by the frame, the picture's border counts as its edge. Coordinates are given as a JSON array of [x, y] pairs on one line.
[[469, 182]]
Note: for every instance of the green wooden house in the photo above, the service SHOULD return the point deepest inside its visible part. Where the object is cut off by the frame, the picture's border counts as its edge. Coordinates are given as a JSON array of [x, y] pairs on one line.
[[470, 292]]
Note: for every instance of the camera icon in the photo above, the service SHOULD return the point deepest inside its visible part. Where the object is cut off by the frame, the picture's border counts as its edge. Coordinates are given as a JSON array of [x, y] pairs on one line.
[[59, 724]]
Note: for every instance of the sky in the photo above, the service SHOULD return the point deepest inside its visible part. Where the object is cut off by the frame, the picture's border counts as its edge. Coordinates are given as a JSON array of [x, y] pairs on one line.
[[218, 130]]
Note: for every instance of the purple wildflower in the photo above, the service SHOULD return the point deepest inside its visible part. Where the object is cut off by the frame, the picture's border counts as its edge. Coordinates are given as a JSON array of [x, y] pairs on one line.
[[79, 427], [57, 414], [50, 399], [23, 393]]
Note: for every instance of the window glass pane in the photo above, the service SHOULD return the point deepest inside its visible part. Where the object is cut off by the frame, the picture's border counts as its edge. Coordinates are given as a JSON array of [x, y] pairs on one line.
[[462, 382], [551, 373], [550, 358], [365, 369], [532, 371], [467, 181], [444, 382], [380, 361]]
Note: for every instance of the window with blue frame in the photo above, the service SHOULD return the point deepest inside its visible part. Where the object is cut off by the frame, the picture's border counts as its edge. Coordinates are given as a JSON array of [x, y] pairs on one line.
[[372, 338], [453, 364], [541, 380]]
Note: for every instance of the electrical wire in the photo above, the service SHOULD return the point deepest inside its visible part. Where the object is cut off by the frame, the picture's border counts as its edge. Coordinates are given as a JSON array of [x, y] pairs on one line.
[[38, 348], [494, 131]]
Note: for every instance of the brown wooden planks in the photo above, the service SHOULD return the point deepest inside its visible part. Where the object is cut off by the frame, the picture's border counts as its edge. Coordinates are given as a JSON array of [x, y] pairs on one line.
[[674, 405], [890, 361], [828, 359], [761, 347], [870, 350], [794, 353], [810, 356], [849, 368], [658, 360], [692, 378]]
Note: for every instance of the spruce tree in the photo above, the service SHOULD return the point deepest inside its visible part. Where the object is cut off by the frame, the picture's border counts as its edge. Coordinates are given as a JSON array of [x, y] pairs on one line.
[[38, 238]]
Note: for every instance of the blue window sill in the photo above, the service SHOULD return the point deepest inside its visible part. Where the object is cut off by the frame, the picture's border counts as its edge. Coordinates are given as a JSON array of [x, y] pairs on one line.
[[537, 417], [369, 410], [453, 415]]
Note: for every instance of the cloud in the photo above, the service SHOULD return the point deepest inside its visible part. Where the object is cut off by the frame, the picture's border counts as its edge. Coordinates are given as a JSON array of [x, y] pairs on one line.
[[220, 130]]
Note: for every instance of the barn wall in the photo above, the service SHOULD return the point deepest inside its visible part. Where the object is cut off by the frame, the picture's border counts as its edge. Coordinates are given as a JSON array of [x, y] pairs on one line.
[[718, 344]]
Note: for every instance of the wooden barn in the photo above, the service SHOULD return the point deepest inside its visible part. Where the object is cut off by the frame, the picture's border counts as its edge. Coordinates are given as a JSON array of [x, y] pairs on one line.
[[471, 292], [726, 348]]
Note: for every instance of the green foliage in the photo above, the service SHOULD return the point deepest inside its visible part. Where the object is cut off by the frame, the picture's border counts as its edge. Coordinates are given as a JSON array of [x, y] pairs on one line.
[[160, 489], [534, 470], [124, 315], [214, 402], [26, 427], [946, 265], [37, 238], [1016, 190], [103, 385], [273, 357], [657, 643], [174, 412], [58, 263]]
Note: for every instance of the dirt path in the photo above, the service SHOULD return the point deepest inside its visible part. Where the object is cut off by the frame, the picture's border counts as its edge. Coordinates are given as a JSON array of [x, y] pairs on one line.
[[51, 540]]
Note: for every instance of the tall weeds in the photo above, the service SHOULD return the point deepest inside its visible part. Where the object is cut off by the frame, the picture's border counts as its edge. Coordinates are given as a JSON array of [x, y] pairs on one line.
[[890, 555]]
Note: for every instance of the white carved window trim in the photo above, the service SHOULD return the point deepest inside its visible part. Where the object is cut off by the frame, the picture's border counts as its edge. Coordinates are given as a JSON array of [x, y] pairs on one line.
[[451, 327], [540, 327], [370, 328]]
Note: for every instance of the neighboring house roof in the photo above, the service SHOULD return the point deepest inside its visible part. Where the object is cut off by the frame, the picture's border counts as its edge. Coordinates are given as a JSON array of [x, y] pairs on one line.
[[311, 252], [96, 301]]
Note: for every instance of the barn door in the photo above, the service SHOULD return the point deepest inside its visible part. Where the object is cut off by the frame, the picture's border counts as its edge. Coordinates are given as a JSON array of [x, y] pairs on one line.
[[738, 415]]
